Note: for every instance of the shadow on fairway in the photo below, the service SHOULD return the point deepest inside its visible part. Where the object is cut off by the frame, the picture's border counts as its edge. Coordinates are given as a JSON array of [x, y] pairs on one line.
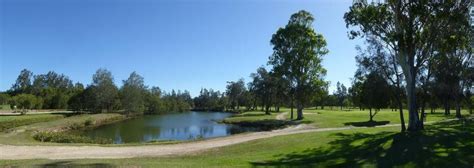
[[70, 164], [442, 145], [367, 123]]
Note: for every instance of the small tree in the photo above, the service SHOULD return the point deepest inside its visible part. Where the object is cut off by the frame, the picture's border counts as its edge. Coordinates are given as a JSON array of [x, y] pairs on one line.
[[341, 94], [375, 93]]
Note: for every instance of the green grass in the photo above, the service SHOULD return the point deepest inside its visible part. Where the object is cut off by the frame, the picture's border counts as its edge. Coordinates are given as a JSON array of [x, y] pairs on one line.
[[24, 134], [8, 122], [331, 118], [336, 118], [5, 107], [441, 145]]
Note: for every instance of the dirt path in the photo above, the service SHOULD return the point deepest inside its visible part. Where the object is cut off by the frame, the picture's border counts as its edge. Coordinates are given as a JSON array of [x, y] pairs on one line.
[[10, 152], [281, 116]]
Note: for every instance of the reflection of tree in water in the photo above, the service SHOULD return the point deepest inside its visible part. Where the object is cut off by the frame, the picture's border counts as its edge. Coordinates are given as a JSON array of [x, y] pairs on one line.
[[206, 131]]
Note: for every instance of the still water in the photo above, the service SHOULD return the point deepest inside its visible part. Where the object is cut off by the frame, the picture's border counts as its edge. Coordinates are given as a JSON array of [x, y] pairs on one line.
[[177, 126]]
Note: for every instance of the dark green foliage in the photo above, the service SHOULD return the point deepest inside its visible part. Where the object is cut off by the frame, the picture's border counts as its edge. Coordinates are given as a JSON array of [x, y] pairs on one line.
[[23, 82], [375, 93], [64, 137], [168, 102], [133, 94], [55, 90], [235, 93], [341, 94], [297, 56], [209, 100], [25, 102], [4, 98], [105, 91]]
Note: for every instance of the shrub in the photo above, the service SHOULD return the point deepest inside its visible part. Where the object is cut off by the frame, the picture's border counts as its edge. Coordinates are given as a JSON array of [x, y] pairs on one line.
[[89, 122], [63, 137], [75, 126]]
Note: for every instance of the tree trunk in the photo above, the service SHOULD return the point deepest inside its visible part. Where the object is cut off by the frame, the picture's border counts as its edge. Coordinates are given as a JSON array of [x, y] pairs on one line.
[[370, 115], [267, 109], [299, 111], [446, 107], [470, 108], [422, 116], [458, 108], [413, 118], [292, 109]]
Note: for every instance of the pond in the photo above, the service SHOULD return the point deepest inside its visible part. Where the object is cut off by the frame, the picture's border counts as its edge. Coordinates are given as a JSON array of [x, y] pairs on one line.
[[175, 126]]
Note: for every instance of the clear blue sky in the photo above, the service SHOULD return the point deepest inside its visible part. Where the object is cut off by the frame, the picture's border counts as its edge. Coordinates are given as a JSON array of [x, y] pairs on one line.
[[173, 44]]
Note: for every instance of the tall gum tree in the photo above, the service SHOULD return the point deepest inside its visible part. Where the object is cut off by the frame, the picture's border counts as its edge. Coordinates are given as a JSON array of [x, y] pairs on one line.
[[409, 28], [297, 56]]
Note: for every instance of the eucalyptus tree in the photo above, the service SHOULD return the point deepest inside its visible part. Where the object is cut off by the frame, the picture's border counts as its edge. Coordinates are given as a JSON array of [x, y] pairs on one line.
[[297, 56], [409, 29], [263, 87], [23, 82], [454, 63], [235, 92], [133, 94], [105, 91], [341, 94]]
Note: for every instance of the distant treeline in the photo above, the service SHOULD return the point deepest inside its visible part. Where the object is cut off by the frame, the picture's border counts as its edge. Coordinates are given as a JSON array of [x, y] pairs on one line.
[[57, 91]]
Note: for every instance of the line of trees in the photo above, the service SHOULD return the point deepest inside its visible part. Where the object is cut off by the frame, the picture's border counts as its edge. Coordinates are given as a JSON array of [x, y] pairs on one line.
[[56, 91]]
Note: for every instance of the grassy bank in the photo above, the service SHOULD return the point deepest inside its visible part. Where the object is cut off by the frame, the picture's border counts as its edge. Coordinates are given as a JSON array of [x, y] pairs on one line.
[[24, 134], [440, 145], [9, 122]]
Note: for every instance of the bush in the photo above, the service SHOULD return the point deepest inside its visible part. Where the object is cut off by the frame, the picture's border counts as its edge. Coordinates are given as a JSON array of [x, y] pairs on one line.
[[75, 126], [89, 122], [63, 137]]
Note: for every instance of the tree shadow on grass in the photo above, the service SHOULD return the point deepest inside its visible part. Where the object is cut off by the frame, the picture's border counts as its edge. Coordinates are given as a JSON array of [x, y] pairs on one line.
[[265, 125], [442, 145], [251, 114], [70, 164], [367, 123]]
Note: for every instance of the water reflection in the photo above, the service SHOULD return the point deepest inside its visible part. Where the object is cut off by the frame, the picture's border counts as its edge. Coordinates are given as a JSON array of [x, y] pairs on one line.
[[181, 126]]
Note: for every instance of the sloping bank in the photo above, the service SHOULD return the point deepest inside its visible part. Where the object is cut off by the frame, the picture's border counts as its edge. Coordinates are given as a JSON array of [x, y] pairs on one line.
[[67, 130]]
